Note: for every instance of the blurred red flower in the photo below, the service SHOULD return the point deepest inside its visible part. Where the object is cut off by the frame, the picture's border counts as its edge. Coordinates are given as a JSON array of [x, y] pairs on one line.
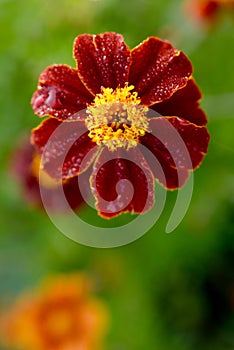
[[206, 11], [26, 169], [103, 108], [61, 315]]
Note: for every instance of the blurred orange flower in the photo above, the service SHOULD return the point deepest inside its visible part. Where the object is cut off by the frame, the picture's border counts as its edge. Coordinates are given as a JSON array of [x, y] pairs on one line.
[[61, 315], [206, 11]]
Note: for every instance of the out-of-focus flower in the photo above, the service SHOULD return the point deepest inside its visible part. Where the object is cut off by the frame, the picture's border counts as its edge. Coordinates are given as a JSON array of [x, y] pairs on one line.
[[26, 170], [117, 86], [206, 11], [61, 315]]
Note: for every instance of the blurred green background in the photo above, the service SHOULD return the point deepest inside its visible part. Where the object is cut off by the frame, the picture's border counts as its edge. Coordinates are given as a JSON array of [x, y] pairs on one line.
[[164, 291]]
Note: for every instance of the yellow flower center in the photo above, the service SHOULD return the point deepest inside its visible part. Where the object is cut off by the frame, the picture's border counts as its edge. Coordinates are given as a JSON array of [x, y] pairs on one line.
[[116, 118], [59, 323]]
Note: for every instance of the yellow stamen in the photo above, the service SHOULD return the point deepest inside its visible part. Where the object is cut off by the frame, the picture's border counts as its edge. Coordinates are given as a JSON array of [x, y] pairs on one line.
[[116, 118]]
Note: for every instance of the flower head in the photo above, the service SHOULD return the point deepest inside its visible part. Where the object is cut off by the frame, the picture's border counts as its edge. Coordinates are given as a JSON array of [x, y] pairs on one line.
[[116, 104], [61, 315], [207, 11], [26, 169]]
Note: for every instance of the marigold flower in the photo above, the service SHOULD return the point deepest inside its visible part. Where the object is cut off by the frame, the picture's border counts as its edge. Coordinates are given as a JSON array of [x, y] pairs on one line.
[[206, 11], [26, 169], [61, 315], [109, 99]]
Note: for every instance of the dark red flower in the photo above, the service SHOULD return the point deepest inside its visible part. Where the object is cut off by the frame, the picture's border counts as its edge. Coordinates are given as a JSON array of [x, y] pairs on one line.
[[206, 11], [26, 167], [117, 104]]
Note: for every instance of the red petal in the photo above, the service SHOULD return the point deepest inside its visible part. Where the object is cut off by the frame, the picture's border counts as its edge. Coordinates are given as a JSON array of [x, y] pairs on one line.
[[178, 146], [112, 167], [72, 191], [54, 199], [158, 70], [65, 147], [60, 94], [185, 104], [162, 164], [103, 60]]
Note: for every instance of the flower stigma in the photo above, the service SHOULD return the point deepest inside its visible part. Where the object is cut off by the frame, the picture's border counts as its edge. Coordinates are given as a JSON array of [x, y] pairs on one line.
[[116, 118]]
